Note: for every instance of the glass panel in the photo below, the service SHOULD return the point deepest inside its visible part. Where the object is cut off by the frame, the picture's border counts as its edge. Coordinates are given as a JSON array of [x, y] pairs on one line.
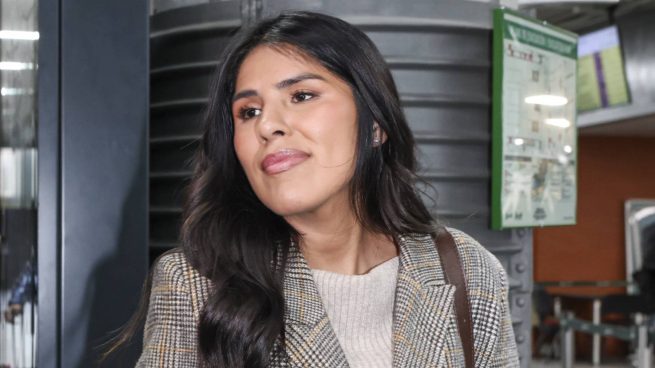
[[640, 239], [18, 178]]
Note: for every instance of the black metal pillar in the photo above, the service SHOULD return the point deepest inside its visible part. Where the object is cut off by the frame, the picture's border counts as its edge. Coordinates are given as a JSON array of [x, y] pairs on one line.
[[93, 129]]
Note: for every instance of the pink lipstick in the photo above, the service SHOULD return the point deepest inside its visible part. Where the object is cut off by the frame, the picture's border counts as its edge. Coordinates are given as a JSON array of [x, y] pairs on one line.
[[282, 161]]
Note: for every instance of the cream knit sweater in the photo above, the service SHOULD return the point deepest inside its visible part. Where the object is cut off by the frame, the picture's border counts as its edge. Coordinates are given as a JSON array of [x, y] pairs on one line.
[[360, 308]]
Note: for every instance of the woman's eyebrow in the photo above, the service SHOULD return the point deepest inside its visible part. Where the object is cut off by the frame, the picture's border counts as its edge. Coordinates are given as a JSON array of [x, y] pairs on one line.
[[244, 94], [299, 78], [279, 85]]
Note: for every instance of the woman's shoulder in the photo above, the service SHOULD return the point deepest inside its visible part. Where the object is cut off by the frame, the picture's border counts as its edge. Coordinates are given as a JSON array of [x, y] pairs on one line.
[[173, 269], [487, 288], [481, 268], [173, 313]]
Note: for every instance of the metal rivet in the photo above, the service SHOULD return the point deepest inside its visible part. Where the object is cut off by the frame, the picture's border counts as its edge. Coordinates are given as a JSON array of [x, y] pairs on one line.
[[520, 267], [520, 302]]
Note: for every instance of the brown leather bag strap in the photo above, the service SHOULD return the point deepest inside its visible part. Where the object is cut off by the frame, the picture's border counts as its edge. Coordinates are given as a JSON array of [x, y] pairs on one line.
[[452, 266]]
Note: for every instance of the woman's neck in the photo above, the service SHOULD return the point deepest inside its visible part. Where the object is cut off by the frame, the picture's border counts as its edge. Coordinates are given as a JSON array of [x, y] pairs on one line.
[[341, 244]]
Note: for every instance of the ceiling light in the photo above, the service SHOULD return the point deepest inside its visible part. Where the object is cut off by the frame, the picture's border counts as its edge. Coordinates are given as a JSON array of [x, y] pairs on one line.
[[8, 91], [558, 122], [519, 141], [19, 35], [547, 100], [14, 65]]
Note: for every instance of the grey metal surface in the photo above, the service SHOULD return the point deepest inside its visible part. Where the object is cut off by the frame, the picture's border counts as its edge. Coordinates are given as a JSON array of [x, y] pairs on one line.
[[636, 31], [49, 187], [568, 342], [458, 13], [439, 54], [93, 104], [583, 16], [157, 6], [185, 46]]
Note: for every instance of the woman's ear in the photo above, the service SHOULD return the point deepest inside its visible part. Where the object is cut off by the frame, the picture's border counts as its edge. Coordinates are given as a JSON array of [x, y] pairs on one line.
[[379, 135]]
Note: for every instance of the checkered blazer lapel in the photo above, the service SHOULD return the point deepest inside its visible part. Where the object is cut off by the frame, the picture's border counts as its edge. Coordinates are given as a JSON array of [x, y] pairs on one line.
[[309, 337], [423, 312]]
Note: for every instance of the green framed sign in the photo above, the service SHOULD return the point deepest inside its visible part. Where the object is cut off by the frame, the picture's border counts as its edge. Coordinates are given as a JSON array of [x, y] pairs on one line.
[[534, 134]]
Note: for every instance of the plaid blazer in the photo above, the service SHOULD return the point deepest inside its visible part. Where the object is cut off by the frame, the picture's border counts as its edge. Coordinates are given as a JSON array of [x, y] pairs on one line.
[[424, 323]]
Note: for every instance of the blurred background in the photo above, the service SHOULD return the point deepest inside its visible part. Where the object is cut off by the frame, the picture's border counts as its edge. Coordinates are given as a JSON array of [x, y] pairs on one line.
[[101, 107]]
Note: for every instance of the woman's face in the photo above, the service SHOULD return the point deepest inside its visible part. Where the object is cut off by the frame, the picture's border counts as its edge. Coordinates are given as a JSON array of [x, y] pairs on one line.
[[295, 132]]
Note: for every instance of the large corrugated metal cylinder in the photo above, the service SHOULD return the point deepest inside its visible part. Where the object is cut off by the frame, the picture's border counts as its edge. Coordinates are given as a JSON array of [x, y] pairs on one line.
[[439, 54]]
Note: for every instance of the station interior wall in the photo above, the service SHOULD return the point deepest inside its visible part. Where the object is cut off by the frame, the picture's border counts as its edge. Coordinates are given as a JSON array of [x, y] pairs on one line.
[[610, 171]]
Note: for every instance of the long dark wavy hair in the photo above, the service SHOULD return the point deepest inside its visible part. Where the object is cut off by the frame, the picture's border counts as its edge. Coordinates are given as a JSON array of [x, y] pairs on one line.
[[232, 238], [235, 240]]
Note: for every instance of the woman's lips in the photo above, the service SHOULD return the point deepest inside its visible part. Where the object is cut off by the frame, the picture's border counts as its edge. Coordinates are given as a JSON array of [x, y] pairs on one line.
[[282, 161]]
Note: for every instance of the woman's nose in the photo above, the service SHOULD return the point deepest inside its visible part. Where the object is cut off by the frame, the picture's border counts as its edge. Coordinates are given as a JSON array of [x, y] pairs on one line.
[[272, 124]]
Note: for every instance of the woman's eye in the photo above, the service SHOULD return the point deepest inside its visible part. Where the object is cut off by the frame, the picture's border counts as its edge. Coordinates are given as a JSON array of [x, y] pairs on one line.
[[246, 113], [302, 96]]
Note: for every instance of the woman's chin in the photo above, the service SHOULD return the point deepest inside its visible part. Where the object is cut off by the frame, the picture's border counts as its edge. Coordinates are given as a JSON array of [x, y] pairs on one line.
[[292, 207], [286, 210], [301, 202]]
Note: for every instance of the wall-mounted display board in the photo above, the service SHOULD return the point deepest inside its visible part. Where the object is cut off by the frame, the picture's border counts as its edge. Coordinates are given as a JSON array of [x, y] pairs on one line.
[[601, 76], [534, 158]]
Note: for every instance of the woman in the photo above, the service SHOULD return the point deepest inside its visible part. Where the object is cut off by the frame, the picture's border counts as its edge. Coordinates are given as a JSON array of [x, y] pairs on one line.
[[305, 242]]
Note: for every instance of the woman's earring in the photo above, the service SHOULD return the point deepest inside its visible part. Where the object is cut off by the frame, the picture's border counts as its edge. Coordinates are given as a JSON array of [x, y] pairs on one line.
[[376, 135]]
